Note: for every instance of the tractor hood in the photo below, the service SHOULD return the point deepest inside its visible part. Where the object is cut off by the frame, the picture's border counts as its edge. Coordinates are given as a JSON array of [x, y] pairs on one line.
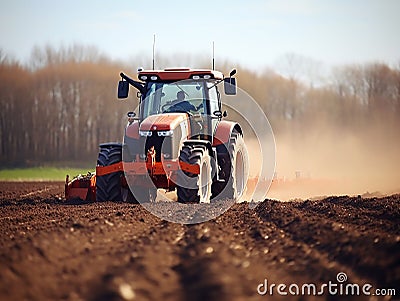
[[163, 122]]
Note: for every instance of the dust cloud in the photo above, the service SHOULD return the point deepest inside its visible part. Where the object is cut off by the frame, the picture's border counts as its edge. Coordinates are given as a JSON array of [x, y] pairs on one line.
[[324, 160]]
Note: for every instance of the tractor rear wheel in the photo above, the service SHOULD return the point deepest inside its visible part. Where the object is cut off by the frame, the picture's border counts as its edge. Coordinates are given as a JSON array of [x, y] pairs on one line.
[[195, 188], [108, 187], [233, 163]]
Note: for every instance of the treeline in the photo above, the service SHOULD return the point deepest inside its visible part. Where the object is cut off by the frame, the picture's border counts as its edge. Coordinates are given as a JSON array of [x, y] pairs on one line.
[[353, 98], [60, 106]]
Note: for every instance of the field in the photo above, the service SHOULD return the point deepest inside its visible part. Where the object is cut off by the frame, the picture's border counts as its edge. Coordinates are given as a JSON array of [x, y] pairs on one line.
[[40, 173], [52, 250]]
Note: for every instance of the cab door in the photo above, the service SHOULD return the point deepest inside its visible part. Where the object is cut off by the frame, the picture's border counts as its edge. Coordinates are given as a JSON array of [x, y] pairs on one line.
[[214, 105]]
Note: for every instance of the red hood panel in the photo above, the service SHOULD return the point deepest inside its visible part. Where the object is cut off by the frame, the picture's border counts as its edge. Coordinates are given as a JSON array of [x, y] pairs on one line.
[[163, 122]]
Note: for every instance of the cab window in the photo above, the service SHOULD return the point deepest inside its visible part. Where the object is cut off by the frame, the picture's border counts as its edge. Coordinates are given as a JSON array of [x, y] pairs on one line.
[[213, 95]]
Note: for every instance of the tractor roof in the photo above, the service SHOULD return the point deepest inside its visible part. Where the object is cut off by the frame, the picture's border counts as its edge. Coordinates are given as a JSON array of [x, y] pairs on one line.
[[174, 74]]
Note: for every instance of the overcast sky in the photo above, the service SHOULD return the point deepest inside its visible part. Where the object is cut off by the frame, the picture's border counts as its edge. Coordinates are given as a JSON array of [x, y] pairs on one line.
[[252, 33]]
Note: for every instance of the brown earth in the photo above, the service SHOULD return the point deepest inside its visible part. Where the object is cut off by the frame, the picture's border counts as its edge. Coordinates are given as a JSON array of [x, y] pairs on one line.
[[50, 250]]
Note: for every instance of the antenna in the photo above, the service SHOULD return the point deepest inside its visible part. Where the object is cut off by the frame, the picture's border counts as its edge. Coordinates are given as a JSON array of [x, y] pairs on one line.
[[213, 58], [154, 47]]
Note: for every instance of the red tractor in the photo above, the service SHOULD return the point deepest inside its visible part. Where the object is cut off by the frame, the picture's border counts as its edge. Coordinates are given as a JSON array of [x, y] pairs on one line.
[[179, 141]]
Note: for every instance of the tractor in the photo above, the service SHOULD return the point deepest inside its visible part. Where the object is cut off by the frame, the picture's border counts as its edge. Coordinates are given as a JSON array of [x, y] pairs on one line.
[[179, 141]]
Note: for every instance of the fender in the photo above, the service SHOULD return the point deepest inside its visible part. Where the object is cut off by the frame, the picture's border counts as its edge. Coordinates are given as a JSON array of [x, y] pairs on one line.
[[224, 131]]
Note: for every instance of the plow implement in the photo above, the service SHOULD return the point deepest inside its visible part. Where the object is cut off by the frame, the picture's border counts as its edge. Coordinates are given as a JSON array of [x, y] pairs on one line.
[[84, 186]]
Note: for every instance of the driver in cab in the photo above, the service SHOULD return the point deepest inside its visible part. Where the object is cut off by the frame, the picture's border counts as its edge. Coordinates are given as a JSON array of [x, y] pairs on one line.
[[180, 104]]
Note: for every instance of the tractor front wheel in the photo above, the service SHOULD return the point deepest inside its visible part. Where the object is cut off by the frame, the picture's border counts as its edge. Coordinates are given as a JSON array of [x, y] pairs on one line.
[[195, 188]]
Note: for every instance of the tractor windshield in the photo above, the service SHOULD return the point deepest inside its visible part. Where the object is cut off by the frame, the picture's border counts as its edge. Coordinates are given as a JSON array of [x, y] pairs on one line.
[[168, 97]]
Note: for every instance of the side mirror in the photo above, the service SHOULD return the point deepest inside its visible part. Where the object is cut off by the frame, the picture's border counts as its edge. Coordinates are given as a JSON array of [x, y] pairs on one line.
[[218, 114], [230, 86], [123, 89], [131, 117]]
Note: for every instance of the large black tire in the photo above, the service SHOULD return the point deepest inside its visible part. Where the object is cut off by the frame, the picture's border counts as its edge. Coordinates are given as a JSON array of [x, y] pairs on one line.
[[193, 188], [108, 187], [233, 169]]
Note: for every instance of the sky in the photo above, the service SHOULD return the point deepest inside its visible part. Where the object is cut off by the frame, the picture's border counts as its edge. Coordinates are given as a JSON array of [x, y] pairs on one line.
[[254, 33]]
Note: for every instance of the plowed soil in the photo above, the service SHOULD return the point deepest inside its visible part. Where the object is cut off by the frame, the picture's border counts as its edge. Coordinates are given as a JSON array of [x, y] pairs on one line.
[[52, 250]]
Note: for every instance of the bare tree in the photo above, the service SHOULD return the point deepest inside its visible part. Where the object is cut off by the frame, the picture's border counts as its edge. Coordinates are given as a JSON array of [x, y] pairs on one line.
[[61, 106]]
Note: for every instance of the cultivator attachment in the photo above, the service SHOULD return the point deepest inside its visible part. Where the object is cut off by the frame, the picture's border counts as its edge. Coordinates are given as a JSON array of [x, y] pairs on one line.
[[84, 186], [81, 187]]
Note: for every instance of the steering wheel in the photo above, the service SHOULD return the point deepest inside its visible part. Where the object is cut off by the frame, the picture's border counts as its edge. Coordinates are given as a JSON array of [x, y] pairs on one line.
[[169, 104]]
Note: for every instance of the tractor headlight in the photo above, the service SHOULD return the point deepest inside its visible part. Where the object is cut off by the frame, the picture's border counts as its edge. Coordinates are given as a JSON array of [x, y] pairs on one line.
[[145, 133], [165, 133]]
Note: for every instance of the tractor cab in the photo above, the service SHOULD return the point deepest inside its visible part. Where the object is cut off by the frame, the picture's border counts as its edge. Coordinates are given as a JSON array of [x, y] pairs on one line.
[[180, 90]]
